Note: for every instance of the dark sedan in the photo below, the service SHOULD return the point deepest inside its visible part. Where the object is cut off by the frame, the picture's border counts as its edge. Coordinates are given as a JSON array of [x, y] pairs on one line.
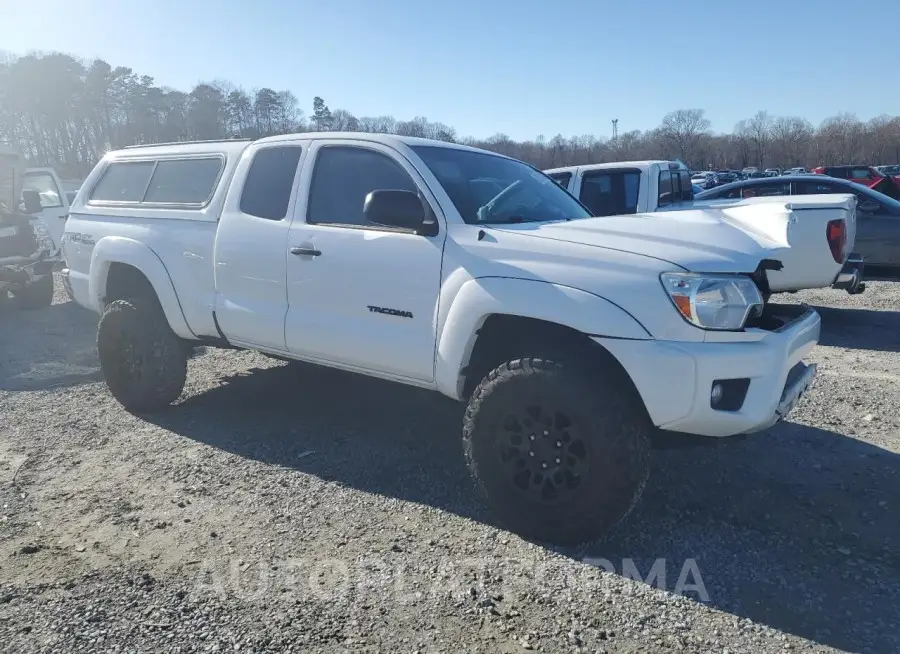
[[878, 216]]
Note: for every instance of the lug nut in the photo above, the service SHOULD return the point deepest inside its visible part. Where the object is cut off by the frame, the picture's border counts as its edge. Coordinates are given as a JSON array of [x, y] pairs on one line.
[[530, 453], [558, 460], [558, 443], [531, 438], [546, 433], [544, 465]]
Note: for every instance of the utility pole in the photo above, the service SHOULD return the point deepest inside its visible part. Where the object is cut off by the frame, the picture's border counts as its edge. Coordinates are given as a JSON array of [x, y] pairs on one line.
[[615, 136]]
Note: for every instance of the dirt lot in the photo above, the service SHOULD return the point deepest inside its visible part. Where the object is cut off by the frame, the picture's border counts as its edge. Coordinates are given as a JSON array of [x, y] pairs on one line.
[[279, 507]]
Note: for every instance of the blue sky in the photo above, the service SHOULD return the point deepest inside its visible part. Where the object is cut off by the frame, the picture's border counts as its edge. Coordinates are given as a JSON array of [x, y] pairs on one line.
[[521, 67]]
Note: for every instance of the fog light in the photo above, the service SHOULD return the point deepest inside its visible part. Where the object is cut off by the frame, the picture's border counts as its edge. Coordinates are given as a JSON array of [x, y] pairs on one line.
[[716, 394]]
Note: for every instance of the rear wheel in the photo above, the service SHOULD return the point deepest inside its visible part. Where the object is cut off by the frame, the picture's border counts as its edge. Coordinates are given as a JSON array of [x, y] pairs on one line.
[[36, 295], [143, 360], [561, 458]]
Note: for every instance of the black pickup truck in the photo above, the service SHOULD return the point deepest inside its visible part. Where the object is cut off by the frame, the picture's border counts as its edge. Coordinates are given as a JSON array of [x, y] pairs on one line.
[[26, 269]]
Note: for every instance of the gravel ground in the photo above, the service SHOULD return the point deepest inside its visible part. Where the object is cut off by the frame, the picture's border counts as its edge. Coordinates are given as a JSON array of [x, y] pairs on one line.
[[280, 507]]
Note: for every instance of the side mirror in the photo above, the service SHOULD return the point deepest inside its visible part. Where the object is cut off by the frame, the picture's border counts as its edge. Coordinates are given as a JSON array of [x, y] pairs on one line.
[[32, 201], [395, 208], [867, 206]]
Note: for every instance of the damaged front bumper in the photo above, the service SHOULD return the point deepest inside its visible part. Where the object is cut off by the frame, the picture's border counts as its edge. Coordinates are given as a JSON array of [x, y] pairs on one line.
[[16, 272]]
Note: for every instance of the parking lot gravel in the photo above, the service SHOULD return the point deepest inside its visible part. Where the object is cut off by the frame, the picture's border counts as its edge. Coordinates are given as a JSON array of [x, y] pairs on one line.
[[281, 507]]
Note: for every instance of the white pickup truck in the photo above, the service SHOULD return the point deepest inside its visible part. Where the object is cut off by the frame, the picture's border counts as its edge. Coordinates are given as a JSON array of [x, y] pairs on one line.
[[570, 338], [55, 202], [812, 236]]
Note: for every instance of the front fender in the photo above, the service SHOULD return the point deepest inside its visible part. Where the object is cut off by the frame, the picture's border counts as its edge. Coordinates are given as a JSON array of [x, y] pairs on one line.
[[117, 249], [477, 299]]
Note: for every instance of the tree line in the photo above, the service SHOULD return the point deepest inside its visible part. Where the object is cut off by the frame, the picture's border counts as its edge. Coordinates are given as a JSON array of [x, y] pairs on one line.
[[64, 112]]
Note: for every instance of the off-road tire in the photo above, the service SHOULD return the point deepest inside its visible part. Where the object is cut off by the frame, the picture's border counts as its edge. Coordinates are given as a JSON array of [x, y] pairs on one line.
[[143, 360], [36, 295], [604, 412]]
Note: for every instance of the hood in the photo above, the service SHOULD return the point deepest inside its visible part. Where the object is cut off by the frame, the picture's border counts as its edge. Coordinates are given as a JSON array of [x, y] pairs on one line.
[[699, 240]]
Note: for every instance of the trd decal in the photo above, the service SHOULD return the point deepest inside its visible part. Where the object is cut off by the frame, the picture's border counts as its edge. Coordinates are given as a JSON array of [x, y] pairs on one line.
[[391, 312]]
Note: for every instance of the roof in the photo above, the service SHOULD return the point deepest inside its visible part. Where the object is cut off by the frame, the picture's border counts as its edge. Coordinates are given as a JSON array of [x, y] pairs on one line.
[[228, 146], [756, 181], [385, 139], [613, 164], [236, 146], [852, 187]]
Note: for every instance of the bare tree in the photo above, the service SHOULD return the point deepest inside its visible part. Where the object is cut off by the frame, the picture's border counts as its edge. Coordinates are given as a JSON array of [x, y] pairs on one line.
[[791, 136], [760, 130], [683, 129], [65, 112]]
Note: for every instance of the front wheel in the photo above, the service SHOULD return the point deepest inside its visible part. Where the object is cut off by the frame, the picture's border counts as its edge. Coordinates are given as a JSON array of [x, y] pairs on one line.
[[143, 360], [561, 458]]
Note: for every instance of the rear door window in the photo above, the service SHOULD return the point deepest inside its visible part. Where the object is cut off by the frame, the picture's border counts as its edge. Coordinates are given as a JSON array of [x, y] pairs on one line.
[[270, 180], [666, 193]]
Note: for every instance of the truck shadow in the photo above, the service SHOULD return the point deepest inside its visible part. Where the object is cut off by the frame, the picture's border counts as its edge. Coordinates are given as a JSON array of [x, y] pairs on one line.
[[860, 329], [793, 528], [48, 349]]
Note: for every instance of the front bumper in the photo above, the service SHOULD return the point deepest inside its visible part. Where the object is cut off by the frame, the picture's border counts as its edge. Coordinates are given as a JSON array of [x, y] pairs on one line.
[[19, 271], [675, 379]]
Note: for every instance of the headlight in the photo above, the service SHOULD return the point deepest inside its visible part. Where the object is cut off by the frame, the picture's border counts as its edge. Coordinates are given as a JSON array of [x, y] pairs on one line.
[[713, 301]]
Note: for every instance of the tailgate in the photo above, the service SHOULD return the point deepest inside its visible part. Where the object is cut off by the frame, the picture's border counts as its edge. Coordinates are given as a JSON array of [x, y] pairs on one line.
[[797, 227]]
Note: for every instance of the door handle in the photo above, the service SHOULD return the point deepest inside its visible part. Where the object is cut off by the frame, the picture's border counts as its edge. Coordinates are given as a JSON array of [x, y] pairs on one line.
[[306, 251]]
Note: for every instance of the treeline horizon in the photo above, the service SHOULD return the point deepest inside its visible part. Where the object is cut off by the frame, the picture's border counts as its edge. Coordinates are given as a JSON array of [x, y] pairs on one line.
[[64, 112]]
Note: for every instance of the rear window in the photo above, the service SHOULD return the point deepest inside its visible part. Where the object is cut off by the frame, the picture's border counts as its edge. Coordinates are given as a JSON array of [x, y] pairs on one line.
[[123, 182], [561, 178], [184, 181], [764, 190]]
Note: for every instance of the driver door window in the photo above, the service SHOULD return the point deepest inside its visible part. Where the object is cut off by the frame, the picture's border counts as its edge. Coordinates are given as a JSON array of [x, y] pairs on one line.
[[46, 187], [343, 177], [861, 175], [610, 193]]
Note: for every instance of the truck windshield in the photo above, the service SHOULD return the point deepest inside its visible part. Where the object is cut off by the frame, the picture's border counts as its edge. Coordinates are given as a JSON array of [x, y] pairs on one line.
[[487, 188]]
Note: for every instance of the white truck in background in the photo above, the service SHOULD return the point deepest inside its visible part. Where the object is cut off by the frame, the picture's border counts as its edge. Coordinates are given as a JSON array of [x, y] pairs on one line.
[[445, 267], [56, 198], [25, 246], [811, 235]]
